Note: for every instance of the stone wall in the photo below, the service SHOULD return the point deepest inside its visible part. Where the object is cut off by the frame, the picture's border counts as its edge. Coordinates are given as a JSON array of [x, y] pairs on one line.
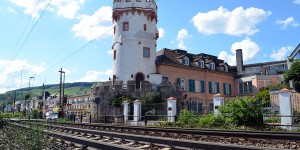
[[104, 92]]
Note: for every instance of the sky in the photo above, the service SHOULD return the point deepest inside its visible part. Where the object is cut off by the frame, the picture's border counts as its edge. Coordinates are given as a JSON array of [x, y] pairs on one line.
[[38, 37]]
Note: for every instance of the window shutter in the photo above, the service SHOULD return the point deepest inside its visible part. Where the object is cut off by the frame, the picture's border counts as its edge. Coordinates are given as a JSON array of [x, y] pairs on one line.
[[202, 87], [210, 87], [178, 81], [218, 87], [229, 89], [224, 88], [192, 85]]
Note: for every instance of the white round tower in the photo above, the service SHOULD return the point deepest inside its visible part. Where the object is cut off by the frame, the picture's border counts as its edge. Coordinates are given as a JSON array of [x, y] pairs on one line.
[[134, 41]]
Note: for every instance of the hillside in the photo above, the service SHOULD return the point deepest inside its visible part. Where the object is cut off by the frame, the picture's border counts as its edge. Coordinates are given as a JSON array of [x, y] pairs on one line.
[[70, 89]]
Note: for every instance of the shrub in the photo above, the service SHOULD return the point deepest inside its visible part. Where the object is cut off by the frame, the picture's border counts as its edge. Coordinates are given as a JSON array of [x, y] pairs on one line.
[[35, 114], [187, 119], [273, 120], [151, 97], [244, 112]]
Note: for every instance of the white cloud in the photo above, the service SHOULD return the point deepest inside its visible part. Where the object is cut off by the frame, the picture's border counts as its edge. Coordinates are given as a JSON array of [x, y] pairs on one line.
[[11, 10], [237, 22], [282, 53], [11, 71], [161, 32], [287, 22], [182, 35], [65, 8], [297, 2], [250, 49], [91, 27], [93, 76], [110, 52]]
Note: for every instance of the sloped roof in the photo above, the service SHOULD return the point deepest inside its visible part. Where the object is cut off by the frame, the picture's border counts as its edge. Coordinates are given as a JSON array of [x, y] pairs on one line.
[[174, 57]]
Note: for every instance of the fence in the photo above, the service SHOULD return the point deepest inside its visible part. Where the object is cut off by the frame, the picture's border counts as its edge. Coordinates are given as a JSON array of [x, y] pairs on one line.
[[295, 101]]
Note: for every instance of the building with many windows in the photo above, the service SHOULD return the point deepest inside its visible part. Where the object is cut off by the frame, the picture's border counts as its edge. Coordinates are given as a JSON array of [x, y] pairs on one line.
[[251, 78], [78, 104], [191, 78]]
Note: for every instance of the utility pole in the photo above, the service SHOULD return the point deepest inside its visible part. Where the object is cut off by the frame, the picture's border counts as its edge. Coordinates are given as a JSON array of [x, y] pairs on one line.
[[14, 104], [60, 94]]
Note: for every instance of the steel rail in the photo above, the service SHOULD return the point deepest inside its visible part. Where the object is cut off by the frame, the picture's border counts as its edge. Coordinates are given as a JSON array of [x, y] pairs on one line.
[[82, 141], [163, 141], [204, 132]]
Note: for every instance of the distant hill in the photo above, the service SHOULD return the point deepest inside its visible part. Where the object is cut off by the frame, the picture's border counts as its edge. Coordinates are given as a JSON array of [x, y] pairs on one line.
[[70, 89]]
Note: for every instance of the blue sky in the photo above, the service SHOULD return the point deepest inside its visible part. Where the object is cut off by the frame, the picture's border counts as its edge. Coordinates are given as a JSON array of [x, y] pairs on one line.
[[38, 37]]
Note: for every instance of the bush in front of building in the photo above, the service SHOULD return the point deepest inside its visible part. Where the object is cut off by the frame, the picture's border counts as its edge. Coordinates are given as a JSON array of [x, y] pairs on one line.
[[35, 114], [244, 111]]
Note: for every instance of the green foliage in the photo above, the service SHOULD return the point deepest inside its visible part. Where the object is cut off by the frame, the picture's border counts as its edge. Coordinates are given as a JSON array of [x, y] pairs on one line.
[[273, 120], [151, 98], [31, 138], [27, 96], [62, 120], [35, 114], [293, 74], [119, 99], [263, 94], [186, 118], [246, 112], [11, 115]]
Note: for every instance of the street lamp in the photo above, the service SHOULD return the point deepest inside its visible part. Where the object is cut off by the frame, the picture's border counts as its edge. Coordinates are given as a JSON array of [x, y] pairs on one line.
[[29, 92]]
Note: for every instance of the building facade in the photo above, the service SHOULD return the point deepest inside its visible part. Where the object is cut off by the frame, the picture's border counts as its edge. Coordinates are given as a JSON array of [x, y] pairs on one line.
[[250, 78], [79, 104]]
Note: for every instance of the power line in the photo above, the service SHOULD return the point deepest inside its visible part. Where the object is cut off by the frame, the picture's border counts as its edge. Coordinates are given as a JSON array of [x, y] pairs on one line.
[[32, 29], [19, 39]]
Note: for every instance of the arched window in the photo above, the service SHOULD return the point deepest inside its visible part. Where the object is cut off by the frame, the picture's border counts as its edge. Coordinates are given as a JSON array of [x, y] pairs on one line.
[[201, 63], [212, 66], [186, 61]]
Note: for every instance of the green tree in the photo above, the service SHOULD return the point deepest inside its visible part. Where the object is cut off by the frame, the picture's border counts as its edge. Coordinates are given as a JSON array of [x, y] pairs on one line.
[[151, 97], [293, 74]]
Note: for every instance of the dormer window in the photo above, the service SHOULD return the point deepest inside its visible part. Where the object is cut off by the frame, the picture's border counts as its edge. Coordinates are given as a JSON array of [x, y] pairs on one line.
[[201, 63], [225, 68], [212, 66], [186, 61]]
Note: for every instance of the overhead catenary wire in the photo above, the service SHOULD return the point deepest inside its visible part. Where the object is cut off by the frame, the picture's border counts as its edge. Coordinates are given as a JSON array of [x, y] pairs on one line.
[[27, 36]]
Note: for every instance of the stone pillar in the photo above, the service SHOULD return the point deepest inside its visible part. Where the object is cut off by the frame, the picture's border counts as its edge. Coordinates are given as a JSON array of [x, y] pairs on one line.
[[172, 109], [137, 110], [285, 108], [218, 101], [125, 111]]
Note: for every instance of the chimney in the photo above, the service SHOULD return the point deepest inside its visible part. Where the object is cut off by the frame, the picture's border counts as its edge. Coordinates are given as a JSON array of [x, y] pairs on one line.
[[239, 61]]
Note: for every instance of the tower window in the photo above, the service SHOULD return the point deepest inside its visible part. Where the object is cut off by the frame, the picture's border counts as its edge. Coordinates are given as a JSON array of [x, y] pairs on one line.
[[125, 26], [114, 29], [115, 54], [146, 52], [145, 27]]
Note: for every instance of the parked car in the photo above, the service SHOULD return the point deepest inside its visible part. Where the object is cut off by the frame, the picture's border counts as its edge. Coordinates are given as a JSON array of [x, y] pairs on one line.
[[51, 116]]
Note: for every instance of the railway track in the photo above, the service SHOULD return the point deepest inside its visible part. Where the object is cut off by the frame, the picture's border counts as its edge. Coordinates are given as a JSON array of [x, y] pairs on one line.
[[127, 137]]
